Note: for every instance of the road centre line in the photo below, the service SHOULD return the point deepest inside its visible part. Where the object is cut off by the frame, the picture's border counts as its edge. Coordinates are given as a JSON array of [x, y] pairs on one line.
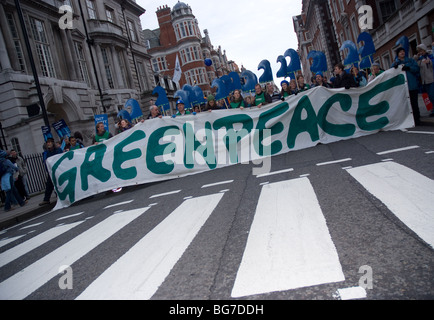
[[333, 162], [274, 173], [397, 150], [118, 204], [420, 132], [165, 194], [216, 184]]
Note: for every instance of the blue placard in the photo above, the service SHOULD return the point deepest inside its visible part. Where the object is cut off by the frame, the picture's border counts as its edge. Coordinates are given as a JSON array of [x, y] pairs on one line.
[[104, 119]]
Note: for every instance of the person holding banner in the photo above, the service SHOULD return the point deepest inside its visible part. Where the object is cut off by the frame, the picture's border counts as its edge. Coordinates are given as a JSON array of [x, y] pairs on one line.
[[302, 86], [181, 108], [343, 79], [320, 81], [155, 113], [261, 98], [412, 70], [285, 89], [101, 134], [237, 100], [375, 71]]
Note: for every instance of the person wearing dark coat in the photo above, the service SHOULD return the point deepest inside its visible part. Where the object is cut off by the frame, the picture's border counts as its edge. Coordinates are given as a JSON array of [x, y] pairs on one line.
[[343, 79]]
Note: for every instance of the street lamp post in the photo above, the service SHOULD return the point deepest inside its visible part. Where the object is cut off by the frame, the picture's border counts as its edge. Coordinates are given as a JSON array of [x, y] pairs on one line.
[[32, 63]]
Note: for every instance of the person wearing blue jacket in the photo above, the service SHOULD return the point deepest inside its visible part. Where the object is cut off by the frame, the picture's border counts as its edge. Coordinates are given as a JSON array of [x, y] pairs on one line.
[[7, 181], [412, 70]]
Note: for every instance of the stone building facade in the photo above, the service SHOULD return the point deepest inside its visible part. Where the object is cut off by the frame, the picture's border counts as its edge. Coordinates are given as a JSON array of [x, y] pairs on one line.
[[88, 68]]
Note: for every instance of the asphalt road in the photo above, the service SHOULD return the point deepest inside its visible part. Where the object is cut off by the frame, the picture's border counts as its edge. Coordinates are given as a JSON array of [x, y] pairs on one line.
[[364, 231]]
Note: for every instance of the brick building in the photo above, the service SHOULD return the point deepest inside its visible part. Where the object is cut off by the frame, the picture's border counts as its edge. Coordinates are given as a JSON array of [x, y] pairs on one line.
[[77, 81], [392, 19], [179, 36]]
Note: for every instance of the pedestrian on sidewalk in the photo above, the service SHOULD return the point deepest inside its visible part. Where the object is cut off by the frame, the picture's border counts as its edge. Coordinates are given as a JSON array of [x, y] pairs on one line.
[[7, 169], [50, 151]]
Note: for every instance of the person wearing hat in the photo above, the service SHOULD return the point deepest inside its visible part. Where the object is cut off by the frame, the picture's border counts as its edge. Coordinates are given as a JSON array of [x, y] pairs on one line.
[[211, 104], [320, 81], [180, 105], [412, 70], [375, 71], [50, 151], [425, 62], [285, 89]]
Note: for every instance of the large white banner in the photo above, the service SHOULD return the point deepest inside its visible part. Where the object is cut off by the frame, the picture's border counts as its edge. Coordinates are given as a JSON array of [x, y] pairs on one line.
[[168, 148]]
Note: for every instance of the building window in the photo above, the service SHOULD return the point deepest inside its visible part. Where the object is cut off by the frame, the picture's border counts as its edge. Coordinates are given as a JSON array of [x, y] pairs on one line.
[[110, 13], [387, 8], [188, 28], [190, 54], [123, 67], [16, 40], [16, 146], [82, 65], [196, 76], [42, 48], [159, 64], [91, 9], [132, 31], [107, 68]]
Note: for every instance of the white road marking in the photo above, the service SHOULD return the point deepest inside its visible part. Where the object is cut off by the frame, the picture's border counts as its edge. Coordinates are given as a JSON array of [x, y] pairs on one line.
[[289, 244], [139, 273], [216, 184], [352, 293], [274, 173], [33, 243], [407, 193], [70, 216], [397, 150], [118, 204], [165, 194], [333, 162], [23, 283]]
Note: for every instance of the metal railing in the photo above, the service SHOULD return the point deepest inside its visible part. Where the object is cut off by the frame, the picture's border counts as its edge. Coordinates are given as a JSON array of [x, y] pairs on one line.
[[37, 175]]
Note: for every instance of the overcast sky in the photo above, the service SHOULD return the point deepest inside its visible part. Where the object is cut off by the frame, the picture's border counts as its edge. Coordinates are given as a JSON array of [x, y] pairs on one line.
[[249, 31]]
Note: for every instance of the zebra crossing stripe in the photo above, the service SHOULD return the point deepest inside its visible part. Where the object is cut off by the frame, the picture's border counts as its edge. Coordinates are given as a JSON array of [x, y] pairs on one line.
[[407, 193], [140, 272], [289, 245], [33, 243], [23, 283]]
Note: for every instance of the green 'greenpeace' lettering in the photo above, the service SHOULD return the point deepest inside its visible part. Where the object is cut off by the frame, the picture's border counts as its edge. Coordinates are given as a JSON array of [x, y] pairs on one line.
[[367, 110], [155, 149], [69, 176], [298, 125], [94, 168], [120, 156], [192, 145], [233, 137], [338, 130], [276, 128]]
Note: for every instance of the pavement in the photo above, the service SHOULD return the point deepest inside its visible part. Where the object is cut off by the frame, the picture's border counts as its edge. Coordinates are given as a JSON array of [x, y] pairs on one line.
[[32, 208]]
